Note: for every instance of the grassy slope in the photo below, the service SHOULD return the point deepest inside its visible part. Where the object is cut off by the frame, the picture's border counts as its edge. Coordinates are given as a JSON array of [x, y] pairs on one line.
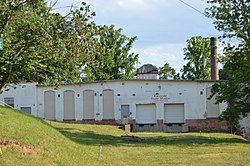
[[74, 144]]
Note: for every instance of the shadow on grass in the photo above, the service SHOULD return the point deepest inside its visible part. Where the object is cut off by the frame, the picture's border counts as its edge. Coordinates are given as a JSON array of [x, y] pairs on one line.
[[92, 138]]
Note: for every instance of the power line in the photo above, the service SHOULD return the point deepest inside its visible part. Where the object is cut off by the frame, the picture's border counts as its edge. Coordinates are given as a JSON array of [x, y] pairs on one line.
[[193, 7], [197, 10]]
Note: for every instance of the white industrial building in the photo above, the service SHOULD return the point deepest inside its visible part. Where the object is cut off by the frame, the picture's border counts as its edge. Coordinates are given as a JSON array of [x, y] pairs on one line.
[[148, 104]]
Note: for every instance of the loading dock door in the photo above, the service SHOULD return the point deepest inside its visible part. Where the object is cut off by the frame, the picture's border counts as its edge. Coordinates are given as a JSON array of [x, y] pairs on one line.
[[125, 114], [174, 113], [69, 105], [88, 104], [145, 113], [108, 104], [49, 105]]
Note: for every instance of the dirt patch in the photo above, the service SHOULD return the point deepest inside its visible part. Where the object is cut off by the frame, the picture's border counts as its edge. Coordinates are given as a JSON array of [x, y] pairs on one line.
[[14, 144]]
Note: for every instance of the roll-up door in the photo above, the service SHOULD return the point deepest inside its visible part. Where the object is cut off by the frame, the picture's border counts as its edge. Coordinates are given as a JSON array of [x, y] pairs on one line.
[[88, 104], [69, 105], [49, 105], [174, 113], [108, 104], [145, 113]]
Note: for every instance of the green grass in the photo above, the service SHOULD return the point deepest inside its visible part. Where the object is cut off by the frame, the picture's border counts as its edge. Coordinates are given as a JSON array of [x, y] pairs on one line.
[[53, 143]]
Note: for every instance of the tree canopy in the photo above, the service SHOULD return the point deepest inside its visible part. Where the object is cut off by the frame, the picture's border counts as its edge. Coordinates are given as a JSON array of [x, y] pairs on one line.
[[232, 18], [46, 47], [197, 53], [113, 59], [167, 72]]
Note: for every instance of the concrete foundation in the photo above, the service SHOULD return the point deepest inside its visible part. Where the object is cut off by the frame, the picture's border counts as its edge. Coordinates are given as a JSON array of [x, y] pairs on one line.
[[160, 128]]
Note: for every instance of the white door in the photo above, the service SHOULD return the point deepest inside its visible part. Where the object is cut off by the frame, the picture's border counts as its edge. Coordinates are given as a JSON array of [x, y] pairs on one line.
[[69, 105], [174, 113], [88, 104], [108, 104], [49, 105], [145, 113], [125, 114]]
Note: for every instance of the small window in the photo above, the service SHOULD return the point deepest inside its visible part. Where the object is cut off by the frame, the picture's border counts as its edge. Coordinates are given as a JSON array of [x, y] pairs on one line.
[[58, 95], [100, 94], [26, 109], [123, 83], [9, 101], [201, 92], [133, 94], [119, 94], [78, 95]]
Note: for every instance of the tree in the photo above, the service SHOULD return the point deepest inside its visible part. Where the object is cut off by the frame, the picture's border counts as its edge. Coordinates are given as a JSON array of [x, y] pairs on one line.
[[112, 58], [167, 72], [232, 18], [43, 46], [197, 53]]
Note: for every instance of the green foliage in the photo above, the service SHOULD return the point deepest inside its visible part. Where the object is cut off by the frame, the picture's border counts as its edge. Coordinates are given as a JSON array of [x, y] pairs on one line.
[[167, 72], [46, 47], [232, 18], [111, 57], [43, 46], [197, 53]]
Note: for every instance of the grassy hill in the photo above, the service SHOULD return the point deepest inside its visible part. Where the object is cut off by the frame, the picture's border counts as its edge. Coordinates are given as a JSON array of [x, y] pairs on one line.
[[26, 140]]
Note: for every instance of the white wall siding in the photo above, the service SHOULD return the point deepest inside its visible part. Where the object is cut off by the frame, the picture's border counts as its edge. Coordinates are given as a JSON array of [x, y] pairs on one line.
[[24, 95], [126, 92]]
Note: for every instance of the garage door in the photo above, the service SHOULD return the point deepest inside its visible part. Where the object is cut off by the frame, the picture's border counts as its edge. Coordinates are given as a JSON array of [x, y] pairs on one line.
[[174, 113], [49, 105], [88, 104], [108, 104], [69, 105], [145, 113]]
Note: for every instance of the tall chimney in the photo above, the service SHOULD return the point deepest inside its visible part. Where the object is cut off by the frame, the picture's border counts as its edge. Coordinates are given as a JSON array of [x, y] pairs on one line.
[[214, 63]]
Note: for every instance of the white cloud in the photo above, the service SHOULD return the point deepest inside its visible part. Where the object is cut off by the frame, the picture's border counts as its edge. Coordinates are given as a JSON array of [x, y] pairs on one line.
[[134, 4], [128, 6], [159, 54]]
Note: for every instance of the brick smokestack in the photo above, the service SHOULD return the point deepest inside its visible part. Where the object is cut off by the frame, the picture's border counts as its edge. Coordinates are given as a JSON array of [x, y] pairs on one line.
[[214, 63]]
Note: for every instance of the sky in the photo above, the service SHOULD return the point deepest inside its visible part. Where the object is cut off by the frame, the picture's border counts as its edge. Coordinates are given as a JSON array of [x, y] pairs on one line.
[[161, 26]]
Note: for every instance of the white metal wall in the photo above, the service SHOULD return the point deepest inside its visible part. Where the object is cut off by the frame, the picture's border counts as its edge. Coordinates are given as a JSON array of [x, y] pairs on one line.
[[24, 94], [132, 92]]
